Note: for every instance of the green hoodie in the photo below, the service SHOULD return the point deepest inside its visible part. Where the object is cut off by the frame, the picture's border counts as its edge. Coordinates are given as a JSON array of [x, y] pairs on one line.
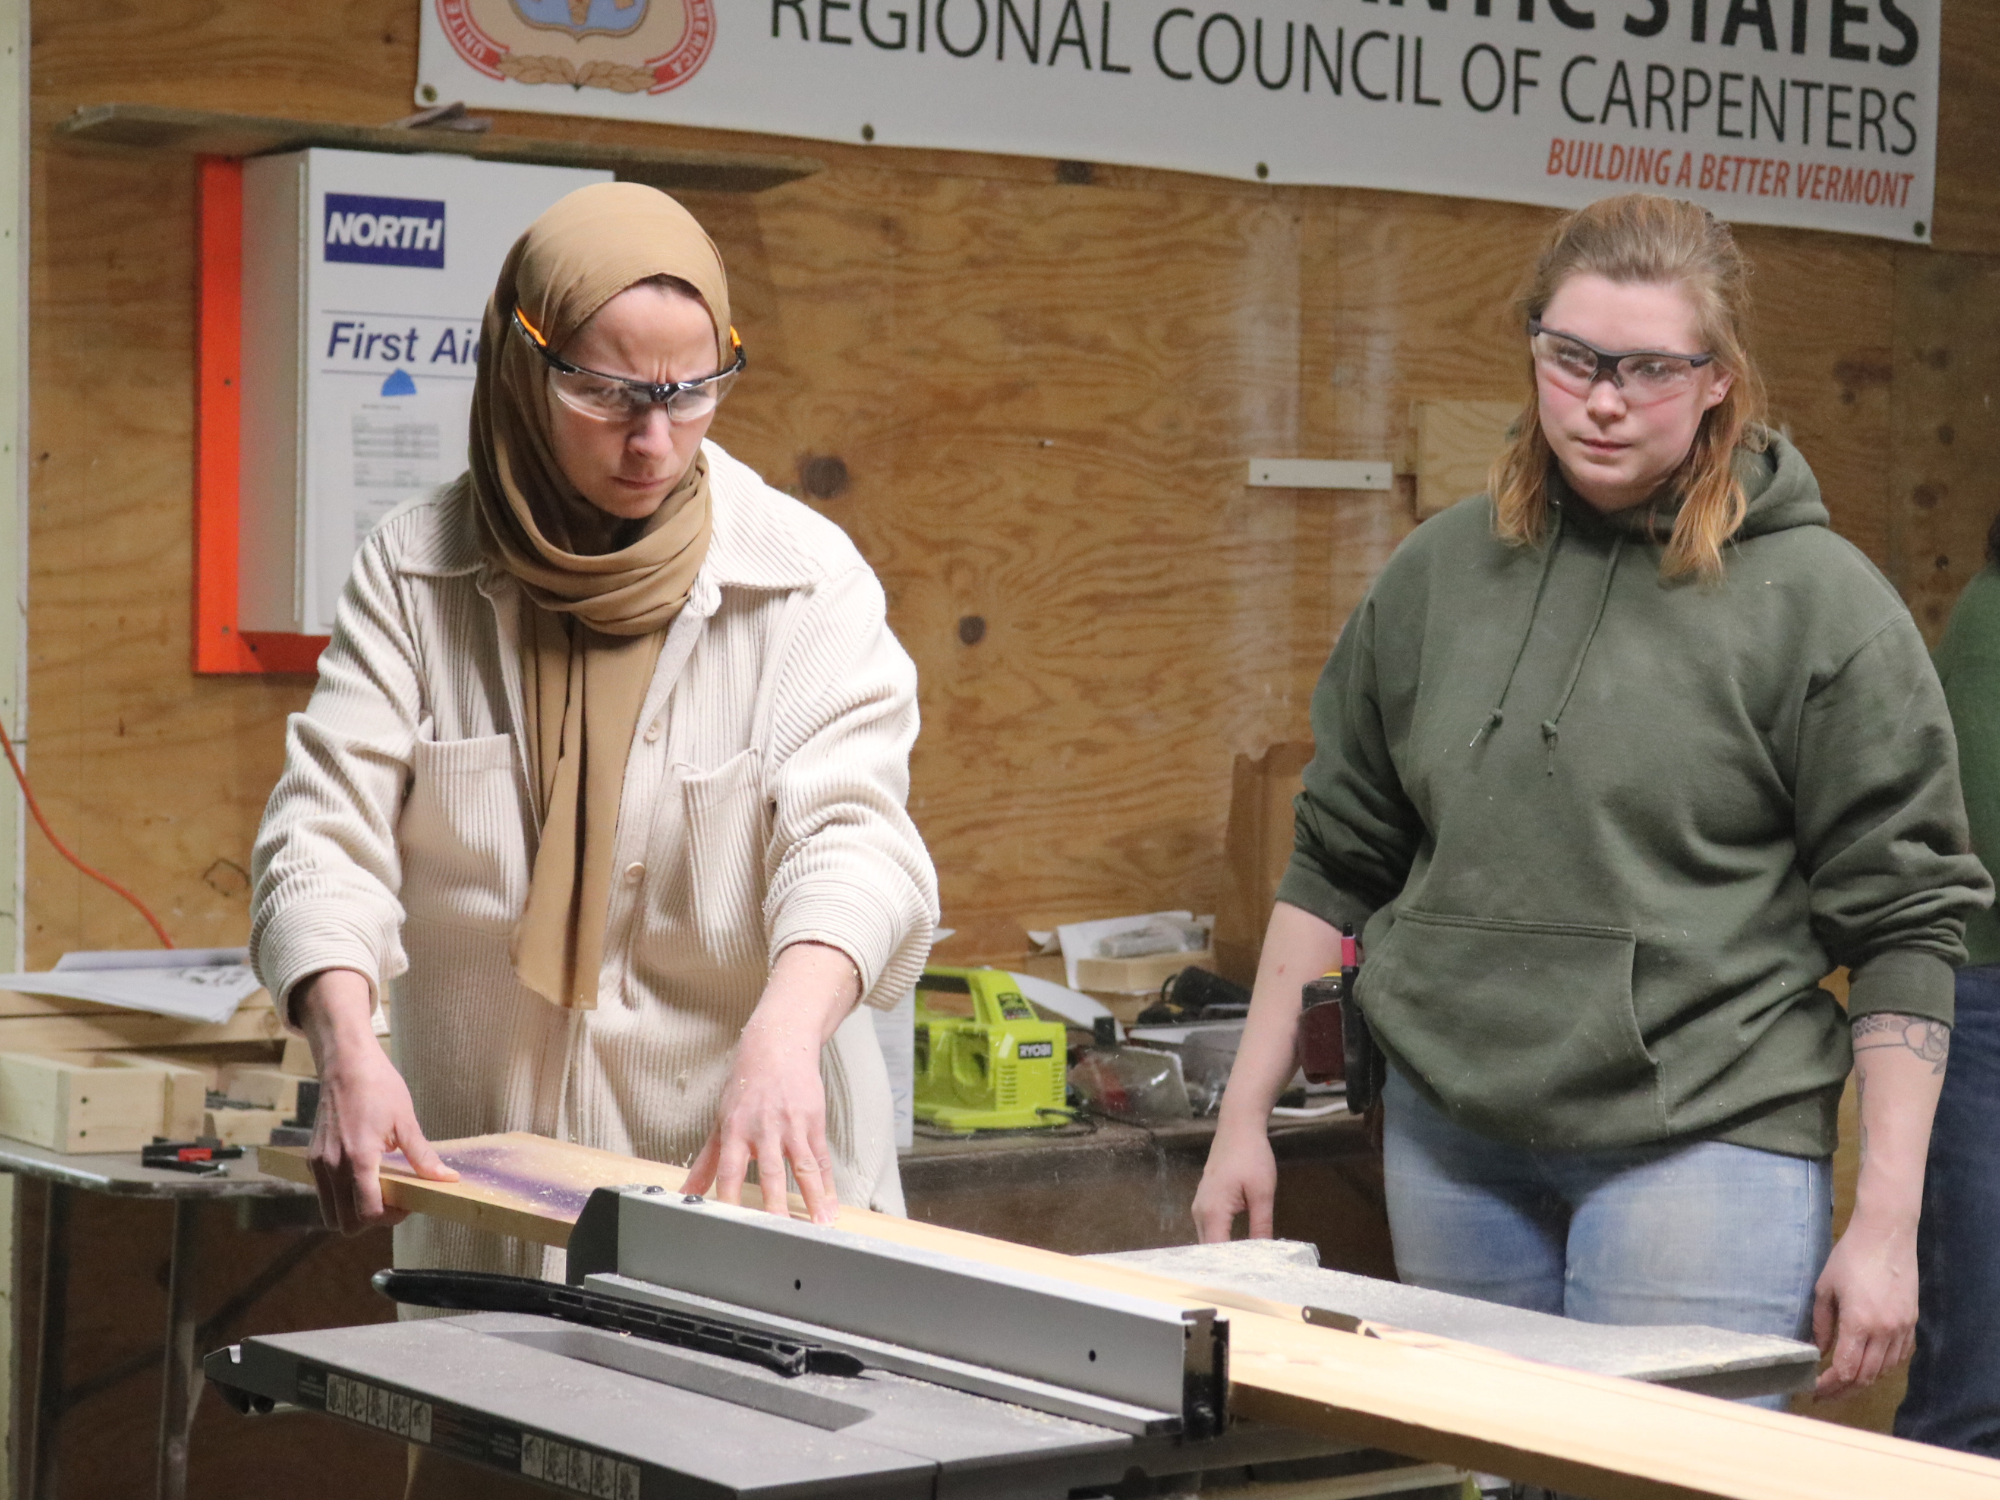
[[1968, 664], [1604, 833]]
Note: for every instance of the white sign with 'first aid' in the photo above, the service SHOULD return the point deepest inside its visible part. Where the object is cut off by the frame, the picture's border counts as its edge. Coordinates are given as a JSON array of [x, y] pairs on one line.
[[365, 278]]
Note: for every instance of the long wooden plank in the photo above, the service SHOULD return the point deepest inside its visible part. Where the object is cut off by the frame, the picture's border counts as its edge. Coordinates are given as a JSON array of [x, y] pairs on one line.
[[131, 1030], [204, 132], [20, 1003], [1420, 1395]]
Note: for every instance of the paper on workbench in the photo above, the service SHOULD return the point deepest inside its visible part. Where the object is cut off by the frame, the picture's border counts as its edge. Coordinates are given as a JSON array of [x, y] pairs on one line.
[[194, 984]]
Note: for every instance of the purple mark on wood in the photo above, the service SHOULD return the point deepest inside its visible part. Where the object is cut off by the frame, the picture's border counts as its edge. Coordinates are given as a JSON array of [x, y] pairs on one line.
[[491, 1167]]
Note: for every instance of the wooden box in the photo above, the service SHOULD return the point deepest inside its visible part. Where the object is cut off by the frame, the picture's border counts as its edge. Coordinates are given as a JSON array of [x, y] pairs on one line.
[[269, 1088], [83, 1103]]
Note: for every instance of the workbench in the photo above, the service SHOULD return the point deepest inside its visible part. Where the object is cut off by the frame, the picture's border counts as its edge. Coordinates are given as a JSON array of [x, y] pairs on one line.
[[1129, 1187], [120, 1175], [1121, 1187]]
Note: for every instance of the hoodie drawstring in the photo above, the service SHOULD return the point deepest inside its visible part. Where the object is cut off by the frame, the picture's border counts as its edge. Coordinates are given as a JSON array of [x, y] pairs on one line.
[[1495, 718], [1550, 724]]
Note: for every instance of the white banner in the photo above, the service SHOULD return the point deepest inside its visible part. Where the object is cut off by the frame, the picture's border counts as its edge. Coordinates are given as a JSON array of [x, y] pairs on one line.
[[1815, 113]]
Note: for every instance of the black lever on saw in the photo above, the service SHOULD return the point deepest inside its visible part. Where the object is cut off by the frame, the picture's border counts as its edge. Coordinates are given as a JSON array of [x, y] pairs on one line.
[[482, 1291]]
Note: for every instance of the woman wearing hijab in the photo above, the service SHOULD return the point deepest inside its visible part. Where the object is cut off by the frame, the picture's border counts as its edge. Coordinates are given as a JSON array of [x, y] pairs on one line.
[[603, 777]]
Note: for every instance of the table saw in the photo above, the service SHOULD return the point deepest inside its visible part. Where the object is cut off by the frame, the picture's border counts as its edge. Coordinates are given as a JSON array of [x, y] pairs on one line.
[[703, 1349]]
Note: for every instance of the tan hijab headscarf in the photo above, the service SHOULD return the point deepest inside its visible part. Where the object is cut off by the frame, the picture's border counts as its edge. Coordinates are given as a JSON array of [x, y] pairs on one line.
[[600, 592]]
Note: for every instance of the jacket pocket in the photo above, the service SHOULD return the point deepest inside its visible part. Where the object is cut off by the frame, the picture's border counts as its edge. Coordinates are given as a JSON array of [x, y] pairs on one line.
[[1524, 1030], [728, 831], [463, 836]]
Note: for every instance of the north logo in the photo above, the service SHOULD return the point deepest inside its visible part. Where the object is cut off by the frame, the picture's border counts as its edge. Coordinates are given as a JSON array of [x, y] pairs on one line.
[[384, 231], [627, 46]]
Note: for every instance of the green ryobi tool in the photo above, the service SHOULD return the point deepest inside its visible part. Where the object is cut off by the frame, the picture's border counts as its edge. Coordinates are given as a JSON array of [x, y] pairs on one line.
[[999, 1069]]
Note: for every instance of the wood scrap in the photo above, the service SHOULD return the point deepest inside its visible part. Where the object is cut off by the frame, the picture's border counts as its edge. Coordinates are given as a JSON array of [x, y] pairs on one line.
[[235, 1126], [184, 1092], [216, 1062], [267, 1088], [1137, 976], [1427, 1397]]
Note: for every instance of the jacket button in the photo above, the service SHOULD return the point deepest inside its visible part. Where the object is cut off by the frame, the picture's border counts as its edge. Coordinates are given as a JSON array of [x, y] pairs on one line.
[[653, 731], [634, 873]]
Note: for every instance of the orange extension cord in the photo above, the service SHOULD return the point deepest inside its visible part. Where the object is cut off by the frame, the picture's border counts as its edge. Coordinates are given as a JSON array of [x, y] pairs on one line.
[[61, 848]]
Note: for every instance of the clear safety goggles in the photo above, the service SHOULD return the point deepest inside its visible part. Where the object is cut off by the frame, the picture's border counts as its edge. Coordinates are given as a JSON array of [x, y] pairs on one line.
[[614, 398], [1644, 376]]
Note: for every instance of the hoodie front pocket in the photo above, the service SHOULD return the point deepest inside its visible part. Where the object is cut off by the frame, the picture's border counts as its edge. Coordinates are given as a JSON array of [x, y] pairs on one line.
[[1525, 1030]]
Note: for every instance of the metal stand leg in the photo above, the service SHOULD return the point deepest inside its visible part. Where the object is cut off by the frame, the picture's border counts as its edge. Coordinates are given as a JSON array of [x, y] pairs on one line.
[[55, 1333], [182, 1388]]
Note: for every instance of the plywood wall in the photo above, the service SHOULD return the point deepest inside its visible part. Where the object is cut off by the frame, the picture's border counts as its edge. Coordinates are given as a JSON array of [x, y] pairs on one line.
[[1042, 392]]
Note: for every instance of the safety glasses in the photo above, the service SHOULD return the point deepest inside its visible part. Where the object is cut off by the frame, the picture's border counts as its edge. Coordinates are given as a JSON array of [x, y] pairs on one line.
[[613, 398], [1645, 376]]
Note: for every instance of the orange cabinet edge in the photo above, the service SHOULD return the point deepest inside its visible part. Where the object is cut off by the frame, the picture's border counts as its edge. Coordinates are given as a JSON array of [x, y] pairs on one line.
[[219, 647]]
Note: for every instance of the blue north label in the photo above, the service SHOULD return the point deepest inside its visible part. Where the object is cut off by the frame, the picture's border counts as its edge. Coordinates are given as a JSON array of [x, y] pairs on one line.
[[385, 231]]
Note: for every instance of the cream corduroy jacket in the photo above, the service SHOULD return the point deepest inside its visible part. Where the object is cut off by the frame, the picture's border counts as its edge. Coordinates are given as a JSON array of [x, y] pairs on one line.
[[763, 806]]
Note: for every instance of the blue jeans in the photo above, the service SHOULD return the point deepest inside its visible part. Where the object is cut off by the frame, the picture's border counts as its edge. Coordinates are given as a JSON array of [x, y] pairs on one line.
[[1954, 1396], [1702, 1232]]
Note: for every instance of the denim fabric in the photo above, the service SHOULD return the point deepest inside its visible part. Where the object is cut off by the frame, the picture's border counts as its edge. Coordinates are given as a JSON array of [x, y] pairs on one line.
[[1954, 1395], [1704, 1232]]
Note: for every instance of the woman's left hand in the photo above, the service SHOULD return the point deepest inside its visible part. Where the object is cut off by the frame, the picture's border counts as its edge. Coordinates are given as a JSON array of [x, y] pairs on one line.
[[1865, 1306], [773, 1109]]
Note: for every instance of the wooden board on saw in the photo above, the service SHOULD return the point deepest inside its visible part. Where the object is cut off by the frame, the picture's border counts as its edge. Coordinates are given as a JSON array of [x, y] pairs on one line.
[[527, 1186], [1428, 1397]]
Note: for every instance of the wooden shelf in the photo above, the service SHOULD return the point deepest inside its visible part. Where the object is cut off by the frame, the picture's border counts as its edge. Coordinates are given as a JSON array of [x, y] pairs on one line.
[[209, 133]]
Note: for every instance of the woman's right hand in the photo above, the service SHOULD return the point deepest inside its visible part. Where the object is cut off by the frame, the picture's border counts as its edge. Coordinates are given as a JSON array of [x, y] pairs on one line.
[[1242, 1174], [1241, 1178], [364, 1105]]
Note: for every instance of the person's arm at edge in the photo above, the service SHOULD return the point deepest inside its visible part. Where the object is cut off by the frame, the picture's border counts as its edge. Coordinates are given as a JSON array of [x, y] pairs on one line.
[[1865, 1305], [326, 871], [1881, 829], [1241, 1176], [1354, 834], [365, 1107], [773, 1107]]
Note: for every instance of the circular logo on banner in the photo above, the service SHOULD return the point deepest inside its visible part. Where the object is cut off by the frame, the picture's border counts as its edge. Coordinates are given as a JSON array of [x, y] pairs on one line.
[[627, 46]]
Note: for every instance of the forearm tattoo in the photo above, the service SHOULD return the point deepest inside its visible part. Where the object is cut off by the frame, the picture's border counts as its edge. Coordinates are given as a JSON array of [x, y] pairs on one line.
[[1930, 1040]]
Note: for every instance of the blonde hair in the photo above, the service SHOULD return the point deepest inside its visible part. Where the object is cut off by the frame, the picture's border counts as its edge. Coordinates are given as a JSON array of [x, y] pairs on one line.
[[1642, 238]]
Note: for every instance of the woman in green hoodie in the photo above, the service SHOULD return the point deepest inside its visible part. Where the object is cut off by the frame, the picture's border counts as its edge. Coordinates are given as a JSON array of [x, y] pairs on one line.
[[1612, 767]]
